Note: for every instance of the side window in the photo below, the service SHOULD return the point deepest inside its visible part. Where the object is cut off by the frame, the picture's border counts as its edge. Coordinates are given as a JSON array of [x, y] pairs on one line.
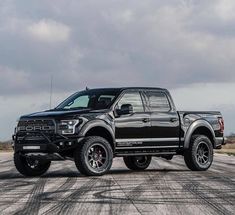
[[132, 98], [158, 101]]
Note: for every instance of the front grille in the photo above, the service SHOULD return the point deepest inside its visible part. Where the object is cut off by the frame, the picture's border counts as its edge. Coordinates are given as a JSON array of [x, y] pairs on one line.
[[39, 125], [29, 131]]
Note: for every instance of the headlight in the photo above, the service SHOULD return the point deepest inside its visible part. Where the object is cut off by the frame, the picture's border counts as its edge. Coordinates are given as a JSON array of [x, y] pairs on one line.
[[68, 126]]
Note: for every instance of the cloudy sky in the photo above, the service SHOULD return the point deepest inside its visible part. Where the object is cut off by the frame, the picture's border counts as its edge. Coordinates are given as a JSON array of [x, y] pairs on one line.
[[187, 46]]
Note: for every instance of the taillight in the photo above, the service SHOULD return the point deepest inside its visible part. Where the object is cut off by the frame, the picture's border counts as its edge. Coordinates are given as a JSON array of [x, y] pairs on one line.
[[221, 124]]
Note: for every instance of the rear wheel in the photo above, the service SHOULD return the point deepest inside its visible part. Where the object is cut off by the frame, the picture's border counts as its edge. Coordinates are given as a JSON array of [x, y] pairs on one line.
[[94, 156], [137, 162], [167, 157], [30, 167], [199, 156]]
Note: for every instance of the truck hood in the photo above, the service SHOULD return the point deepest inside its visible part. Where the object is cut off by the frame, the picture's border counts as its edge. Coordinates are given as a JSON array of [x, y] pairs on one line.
[[62, 113]]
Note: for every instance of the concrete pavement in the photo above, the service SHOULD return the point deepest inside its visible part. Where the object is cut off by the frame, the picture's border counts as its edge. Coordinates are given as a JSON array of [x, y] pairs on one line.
[[166, 187]]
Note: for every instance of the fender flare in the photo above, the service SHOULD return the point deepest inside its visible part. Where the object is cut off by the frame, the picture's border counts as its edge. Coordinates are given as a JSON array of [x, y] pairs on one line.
[[97, 123], [197, 124]]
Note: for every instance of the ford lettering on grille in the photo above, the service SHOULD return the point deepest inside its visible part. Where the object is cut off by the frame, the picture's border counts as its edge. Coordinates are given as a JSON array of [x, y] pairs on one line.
[[37, 125], [36, 128]]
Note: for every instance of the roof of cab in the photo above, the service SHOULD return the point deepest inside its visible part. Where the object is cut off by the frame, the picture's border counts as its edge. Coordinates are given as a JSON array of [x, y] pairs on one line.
[[127, 88]]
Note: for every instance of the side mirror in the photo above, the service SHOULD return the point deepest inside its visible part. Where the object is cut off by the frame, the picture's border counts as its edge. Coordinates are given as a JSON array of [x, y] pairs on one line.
[[125, 109]]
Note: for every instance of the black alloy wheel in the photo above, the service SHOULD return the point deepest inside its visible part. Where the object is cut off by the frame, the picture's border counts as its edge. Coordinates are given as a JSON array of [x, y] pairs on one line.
[[94, 156], [137, 162]]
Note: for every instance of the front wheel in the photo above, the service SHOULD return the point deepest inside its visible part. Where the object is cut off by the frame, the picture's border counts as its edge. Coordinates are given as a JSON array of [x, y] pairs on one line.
[[30, 167], [94, 156], [137, 162], [199, 156]]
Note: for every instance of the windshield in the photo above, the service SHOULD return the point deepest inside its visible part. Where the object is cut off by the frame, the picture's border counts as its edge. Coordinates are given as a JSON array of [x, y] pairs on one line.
[[91, 99]]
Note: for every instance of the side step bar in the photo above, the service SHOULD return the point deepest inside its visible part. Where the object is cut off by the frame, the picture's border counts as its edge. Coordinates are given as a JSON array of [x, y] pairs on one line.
[[144, 153]]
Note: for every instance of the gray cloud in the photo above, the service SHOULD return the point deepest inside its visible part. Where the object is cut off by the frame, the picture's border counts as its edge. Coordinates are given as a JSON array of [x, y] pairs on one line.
[[172, 43], [168, 43]]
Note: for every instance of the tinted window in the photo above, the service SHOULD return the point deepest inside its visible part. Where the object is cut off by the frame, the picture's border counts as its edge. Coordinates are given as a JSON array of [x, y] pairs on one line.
[[92, 99], [81, 101], [132, 98], [158, 101]]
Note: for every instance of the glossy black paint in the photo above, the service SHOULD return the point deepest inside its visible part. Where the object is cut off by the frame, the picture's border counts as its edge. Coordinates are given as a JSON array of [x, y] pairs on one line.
[[132, 126], [164, 124], [158, 130]]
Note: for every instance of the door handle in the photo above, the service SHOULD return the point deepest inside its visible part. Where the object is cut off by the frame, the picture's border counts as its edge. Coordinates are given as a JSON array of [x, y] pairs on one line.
[[146, 120], [174, 119]]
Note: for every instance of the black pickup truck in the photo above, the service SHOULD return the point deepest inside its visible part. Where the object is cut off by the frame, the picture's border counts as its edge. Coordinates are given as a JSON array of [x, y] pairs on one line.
[[93, 126]]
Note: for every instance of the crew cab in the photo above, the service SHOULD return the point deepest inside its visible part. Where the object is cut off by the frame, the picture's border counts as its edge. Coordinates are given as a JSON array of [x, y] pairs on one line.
[[94, 126]]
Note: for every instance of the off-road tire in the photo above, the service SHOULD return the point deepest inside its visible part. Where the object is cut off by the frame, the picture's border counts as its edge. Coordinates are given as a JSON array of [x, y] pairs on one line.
[[191, 155], [132, 162], [168, 157], [24, 168], [83, 154]]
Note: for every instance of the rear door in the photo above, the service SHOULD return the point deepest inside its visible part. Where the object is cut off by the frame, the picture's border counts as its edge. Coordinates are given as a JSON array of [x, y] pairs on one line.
[[132, 129], [164, 120]]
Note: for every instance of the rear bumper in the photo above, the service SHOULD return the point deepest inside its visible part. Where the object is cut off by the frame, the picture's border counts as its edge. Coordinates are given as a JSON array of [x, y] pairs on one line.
[[225, 141], [219, 141]]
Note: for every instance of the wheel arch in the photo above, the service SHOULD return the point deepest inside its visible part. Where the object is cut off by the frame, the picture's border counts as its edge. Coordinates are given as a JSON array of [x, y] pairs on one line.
[[99, 128], [199, 127]]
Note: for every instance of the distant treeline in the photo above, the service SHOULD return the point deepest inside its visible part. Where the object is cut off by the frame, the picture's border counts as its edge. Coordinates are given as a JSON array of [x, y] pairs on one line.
[[6, 145], [230, 139]]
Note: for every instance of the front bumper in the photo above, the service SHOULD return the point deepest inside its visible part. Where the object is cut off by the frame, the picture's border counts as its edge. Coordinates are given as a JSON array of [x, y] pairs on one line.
[[48, 146]]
